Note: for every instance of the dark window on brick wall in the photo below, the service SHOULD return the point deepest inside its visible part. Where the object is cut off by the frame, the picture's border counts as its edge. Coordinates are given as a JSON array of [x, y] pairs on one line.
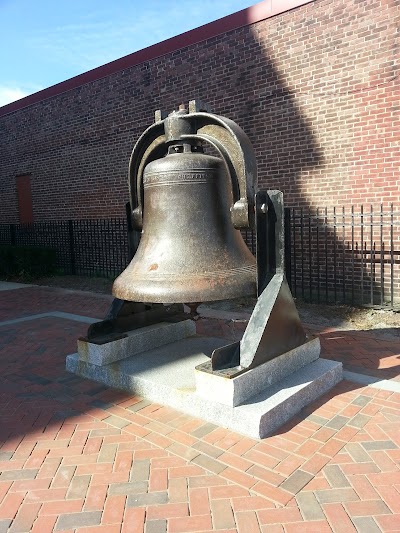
[[24, 194]]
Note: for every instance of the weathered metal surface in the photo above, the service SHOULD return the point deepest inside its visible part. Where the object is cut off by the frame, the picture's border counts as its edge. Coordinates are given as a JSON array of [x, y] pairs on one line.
[[190, 250], [270, 234], [274, 327]]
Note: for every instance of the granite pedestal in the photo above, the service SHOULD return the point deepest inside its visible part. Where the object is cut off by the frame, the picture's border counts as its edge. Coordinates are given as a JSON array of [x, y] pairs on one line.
[[268, 397], [134, 342]]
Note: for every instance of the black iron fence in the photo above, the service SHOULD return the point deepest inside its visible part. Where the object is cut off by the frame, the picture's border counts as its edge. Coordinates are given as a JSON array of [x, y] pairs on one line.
[[346, 255], [339, 255], [84, 247]]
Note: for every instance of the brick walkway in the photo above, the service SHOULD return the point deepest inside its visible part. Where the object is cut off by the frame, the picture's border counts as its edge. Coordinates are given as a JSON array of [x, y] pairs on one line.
[[75, 456]]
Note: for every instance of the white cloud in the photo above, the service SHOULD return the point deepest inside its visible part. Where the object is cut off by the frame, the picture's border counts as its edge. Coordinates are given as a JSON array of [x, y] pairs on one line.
[[11, 93]]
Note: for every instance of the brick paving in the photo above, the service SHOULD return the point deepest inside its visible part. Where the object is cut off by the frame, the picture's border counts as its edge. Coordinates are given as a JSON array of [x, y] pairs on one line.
[[76, 456], [364, 351]]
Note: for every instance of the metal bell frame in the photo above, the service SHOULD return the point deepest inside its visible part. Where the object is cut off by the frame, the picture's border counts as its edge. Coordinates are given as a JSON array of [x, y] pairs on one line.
[[274, 327]]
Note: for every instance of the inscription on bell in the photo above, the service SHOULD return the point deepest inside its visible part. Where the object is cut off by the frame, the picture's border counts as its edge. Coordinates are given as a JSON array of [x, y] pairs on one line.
[[179, 177]]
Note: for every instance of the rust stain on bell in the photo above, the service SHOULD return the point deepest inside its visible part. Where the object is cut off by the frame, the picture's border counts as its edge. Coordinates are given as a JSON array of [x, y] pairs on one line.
[[190, 205]]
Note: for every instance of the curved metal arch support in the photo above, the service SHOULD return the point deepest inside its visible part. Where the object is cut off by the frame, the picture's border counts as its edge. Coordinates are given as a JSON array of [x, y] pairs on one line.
[[239, 155], [146, 149], [224, 134]]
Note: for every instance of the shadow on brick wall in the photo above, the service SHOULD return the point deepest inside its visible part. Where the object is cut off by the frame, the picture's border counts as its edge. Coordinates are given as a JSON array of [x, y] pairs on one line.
[[93, 128]]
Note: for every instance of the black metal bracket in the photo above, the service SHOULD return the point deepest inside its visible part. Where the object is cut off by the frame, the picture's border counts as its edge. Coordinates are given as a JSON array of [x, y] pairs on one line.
[[124, 316], [274, 327]]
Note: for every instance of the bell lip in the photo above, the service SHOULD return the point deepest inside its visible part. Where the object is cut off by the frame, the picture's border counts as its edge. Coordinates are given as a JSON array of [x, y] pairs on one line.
[[177, 294]]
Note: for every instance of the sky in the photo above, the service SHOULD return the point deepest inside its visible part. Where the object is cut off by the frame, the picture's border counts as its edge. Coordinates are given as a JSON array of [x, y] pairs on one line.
[[44, 42]]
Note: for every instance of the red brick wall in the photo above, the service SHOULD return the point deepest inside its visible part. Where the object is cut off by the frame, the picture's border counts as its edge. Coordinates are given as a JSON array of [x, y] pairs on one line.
[[315, 88]]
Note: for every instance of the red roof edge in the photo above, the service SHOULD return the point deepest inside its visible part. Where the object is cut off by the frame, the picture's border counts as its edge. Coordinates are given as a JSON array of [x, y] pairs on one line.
[[245, 17]]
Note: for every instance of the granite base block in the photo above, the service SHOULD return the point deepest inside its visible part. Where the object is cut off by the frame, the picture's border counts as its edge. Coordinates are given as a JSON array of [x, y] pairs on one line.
[[136, 341], [236, 390], [166, 375]]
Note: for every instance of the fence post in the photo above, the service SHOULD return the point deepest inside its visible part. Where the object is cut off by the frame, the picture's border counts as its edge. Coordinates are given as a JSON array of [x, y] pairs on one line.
[[13, 235], [288, 247], [71, 246]]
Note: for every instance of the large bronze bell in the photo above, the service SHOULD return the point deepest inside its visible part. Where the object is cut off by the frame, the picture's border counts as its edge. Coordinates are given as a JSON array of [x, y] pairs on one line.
[[190, 206]]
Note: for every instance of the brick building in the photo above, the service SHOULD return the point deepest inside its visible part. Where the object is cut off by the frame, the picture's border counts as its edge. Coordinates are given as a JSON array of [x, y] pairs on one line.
[[313, 83]]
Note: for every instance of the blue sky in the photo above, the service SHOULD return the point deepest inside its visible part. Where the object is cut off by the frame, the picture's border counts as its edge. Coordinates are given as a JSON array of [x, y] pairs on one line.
[[43, 42]]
